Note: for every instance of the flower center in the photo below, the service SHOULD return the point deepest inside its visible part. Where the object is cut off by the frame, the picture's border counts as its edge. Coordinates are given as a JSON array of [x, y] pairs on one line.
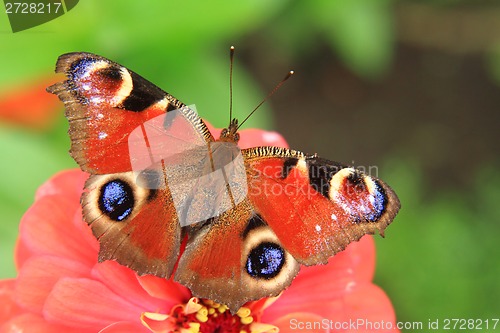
[[205, 316], [213, 317]]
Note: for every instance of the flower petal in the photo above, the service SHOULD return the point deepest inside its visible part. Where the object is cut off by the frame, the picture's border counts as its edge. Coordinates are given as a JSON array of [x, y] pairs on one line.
[[259, 306], [39, 275], [369, 303], [124, 327], [302, 322], [168, 290], [123, 281], [356, 261], [87, 303], [46, 228], [69, 183], [157, 322], [8, 308], [364, 307], [318, 285], [21, 253], [255, 137], [31, 323]]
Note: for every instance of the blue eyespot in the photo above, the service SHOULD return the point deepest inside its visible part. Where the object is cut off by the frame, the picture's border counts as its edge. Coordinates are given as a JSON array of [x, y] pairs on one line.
[[116, 200], [265, 261], [79, 68], [379, 203]]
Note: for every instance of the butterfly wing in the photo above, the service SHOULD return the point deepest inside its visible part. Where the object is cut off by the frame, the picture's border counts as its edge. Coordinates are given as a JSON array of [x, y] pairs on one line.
[[314, 206], [104, 103], [234, 258], [299, 210], [107, 105], [136, 226]]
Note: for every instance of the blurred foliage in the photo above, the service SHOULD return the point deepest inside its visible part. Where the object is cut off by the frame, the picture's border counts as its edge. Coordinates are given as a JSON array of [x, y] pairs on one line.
[[361, 32], [434, 262], [446, 264]]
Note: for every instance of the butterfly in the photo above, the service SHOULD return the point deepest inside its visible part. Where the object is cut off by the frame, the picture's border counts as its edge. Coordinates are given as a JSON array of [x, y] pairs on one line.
[[246, 219]]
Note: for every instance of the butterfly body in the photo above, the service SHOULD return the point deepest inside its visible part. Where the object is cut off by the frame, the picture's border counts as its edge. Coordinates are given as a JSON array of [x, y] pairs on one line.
[[158, 176]]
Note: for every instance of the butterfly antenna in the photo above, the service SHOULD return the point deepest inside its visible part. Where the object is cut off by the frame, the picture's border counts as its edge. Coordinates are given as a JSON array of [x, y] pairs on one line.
[[267, 97], [231, 60]]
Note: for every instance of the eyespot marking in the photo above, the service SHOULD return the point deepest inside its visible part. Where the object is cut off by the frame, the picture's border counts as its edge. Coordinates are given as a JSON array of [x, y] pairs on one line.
[[111, 73], [82, 67], [265, 261], [378, 200], [116, 200], [356, 181], [360, 196]]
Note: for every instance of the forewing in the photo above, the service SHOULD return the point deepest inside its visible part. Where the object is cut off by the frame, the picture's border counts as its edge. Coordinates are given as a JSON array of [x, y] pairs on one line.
[[314, 206], [104, 103]]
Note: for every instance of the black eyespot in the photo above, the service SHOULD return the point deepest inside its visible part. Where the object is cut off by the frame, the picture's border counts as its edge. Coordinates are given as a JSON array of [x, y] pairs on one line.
[[356, 181], [265, 261], [116, 200], [111, 73]]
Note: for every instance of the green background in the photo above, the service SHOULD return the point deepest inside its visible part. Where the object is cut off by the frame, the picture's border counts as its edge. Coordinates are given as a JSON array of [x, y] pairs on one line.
[[411, 87]]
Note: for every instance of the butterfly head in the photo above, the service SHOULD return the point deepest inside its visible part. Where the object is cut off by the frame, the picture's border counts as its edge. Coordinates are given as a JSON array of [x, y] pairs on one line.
[[230, 134]]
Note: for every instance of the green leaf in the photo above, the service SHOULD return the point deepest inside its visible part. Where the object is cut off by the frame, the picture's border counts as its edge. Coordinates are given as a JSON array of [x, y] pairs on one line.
[[361, 31], [114, 28]]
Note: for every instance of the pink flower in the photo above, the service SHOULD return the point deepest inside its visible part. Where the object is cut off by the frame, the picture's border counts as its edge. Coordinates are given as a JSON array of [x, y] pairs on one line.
[[62, 288]]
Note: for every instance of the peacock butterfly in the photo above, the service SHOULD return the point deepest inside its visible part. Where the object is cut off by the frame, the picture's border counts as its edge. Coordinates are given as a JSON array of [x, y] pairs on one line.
[[158, 178]]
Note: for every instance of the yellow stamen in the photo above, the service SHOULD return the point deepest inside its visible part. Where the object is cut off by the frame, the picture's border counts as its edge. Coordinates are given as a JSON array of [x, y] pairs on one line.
[[202, 314], [243, 312], [201, 317], [246, 320], [193, 328], [203, 311]]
